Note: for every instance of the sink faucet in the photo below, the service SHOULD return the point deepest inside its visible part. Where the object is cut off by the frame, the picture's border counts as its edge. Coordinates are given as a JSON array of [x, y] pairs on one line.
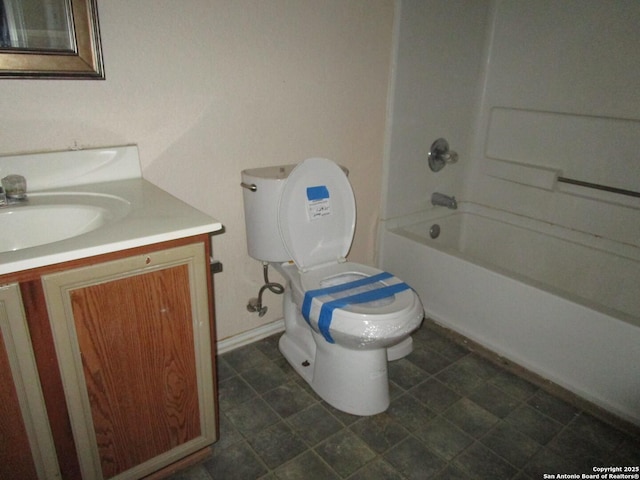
[[444, 200]]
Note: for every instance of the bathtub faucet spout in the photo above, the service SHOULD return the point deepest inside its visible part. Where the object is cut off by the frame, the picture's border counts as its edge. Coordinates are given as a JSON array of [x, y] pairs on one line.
[[444, 200]]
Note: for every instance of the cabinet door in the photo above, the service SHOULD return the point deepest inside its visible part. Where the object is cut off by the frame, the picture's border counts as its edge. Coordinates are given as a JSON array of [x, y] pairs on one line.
[[26, 445], [133, 342]]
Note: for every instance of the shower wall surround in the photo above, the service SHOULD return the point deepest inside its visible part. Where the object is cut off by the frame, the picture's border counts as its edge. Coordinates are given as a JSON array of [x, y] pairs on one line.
[[524, 91], [527, 93]]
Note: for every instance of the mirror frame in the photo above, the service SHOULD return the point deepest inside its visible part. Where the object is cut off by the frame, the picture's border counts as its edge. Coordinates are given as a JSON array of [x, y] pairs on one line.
[[84, 62]]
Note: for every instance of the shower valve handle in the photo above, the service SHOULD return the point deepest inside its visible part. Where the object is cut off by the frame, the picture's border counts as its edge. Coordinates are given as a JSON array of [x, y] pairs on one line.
[[440, 155]]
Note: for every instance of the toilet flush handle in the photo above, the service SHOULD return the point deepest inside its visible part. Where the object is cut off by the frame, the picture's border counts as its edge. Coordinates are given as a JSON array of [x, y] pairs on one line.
[[248, 186]]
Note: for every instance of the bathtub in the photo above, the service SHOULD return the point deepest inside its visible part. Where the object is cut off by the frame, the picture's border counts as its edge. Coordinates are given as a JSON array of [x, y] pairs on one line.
[[561, 303]]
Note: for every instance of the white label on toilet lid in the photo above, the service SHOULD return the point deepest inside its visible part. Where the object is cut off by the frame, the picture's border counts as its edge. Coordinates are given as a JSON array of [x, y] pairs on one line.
[[318, 202]]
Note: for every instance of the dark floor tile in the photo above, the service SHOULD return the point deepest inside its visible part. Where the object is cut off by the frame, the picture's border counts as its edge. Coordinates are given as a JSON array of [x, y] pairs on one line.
[[288, 399], [460, 378], [344, 417], [228, 434], [443, 438], [547, 461], [394, 390], [269, 346], [245, 358], [236, 461], [510, 444], [478, 366], [569, 445], [252, 416], [629, 450], [444, 346], [513, 385], [586, 438], [380, 432], [265, 377], [428, 360], [269, 476], [447, 405], [470, 417], [494, 400], [345, 452], [451, 472], [277, 444], [223, 369], [234, 391], [435, 395], [409, 412], [314, 424], [405, 374], [553, 407], [532, 423], [306, 466], [523, 476], [413, 460], [197, 472], [482, 463], [377, 470], [596, 432]]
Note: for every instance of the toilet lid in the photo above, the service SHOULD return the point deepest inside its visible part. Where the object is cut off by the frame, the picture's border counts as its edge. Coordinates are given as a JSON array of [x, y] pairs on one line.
[[317, 213]]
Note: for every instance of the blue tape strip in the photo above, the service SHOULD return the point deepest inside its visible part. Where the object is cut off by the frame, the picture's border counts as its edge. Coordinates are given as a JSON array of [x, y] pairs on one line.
[[326, 312], [308, 296], [317, 193]]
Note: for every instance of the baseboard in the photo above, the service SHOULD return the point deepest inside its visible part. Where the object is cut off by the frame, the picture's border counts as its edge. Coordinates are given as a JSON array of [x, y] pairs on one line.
[[245, 338]]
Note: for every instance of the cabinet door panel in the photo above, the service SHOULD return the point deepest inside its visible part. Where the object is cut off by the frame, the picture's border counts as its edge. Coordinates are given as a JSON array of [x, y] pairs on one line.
[[26, 444], [140, 372], [134, 338], [15, 450]]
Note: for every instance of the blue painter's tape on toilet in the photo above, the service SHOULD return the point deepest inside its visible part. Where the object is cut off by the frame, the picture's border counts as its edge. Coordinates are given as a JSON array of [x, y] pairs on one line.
[[311, 294], [326, 312], [327, 308]]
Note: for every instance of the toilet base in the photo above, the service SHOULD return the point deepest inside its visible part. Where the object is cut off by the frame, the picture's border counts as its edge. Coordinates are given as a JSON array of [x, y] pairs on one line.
[[400, 350], [354, 381]]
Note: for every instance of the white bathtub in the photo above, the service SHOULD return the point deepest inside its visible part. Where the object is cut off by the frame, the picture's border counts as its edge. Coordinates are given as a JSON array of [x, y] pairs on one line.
[[561, 303]]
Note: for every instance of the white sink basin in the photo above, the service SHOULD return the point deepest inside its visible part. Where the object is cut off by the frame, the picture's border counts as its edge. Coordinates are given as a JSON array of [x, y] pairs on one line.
[[52, 217]]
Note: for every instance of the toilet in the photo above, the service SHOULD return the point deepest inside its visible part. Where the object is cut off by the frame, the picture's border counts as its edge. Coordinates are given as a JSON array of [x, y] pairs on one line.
[[343, 321]]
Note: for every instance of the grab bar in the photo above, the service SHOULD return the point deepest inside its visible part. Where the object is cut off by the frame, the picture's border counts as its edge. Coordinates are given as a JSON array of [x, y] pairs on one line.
[[620, 191]]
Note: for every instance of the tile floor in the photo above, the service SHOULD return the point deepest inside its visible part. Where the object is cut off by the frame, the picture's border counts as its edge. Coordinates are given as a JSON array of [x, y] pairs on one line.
[[453, 415]]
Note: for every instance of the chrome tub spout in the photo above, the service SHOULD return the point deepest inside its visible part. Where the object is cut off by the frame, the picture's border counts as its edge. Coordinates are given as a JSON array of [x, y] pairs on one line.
[[443, 200]]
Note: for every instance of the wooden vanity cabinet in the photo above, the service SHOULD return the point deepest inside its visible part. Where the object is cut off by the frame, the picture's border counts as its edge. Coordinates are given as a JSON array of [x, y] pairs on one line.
[[133, 340]]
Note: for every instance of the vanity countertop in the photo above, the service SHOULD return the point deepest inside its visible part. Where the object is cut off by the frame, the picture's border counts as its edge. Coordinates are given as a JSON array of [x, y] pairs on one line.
[[154, 216]]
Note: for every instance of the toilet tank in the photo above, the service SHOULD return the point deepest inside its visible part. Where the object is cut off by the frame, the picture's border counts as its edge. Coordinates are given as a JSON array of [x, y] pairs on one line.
[[261, 212]]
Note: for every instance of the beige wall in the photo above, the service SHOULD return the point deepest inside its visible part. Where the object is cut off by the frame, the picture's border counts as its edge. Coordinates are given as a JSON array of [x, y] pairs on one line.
[[207, 88]]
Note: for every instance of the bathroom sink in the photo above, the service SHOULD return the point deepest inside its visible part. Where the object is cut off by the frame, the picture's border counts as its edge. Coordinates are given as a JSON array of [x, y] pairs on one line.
[[51, 217]]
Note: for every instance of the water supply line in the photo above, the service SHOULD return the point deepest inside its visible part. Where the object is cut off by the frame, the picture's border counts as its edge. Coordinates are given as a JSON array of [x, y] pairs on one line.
[[255, 304]]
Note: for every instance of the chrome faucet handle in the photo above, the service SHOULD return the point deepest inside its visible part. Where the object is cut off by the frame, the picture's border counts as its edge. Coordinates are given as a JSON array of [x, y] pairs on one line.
[[440, 155], [15, 187]]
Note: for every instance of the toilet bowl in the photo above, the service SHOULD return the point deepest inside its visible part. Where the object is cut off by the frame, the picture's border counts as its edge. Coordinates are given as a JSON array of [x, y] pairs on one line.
[[343, 321]]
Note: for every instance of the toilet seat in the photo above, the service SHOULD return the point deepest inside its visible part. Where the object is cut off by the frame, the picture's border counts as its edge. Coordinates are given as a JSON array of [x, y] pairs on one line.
[[364, 325]]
